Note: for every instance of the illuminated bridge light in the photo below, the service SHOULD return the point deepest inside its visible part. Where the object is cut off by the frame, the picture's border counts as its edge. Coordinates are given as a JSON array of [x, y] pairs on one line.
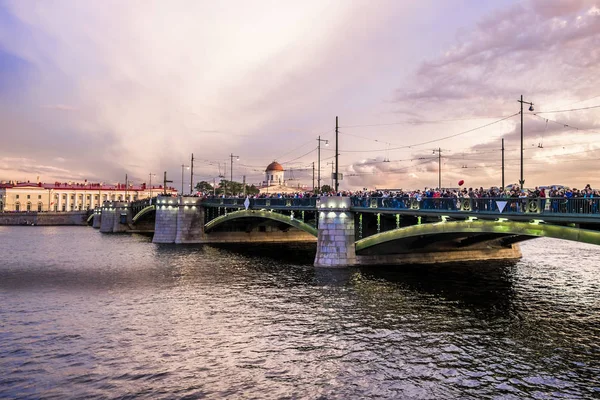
[[537, 221], [471, 219], [502, 219]]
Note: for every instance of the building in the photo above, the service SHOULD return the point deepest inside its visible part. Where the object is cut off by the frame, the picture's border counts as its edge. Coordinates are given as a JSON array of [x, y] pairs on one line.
[[60, 196], [275, 181], [274, 174]]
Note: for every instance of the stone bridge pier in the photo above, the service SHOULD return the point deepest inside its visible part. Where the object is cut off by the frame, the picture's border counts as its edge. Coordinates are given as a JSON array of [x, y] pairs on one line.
[[179, 220], [335, 243], [115, 217]]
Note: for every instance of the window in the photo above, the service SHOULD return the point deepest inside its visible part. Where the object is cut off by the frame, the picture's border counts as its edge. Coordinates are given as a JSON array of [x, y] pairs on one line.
[[40, 206], [39, 196], [28, 196], [17, 206], [17, 196], [28, 206]]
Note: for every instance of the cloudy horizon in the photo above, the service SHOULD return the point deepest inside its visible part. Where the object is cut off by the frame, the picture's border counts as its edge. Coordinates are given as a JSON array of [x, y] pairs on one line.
[[97, 90]]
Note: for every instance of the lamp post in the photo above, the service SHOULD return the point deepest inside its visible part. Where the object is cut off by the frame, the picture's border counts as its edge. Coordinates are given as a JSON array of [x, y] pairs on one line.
[[439, 151], [332, 173], [182, 167], [522, 180], [231, 156], [319, 140], [151, 175]]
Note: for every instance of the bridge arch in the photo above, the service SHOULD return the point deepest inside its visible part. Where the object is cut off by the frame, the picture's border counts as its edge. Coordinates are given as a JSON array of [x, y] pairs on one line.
[[143, 212], [286, 219], [495, 228]]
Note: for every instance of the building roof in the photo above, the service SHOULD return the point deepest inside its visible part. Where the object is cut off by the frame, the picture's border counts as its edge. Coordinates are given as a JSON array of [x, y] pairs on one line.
[[82, 186], [274, 166]]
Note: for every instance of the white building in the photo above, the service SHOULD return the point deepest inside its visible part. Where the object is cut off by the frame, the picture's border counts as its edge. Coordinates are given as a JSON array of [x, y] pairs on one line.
[[274, 174], [59, 196]]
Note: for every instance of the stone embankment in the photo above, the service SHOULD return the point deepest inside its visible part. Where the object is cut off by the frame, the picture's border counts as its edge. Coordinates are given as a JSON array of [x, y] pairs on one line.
[[44, 218]]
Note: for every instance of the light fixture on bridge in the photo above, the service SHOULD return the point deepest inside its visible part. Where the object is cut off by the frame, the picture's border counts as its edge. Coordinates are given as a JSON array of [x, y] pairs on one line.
[[537, 221], [471, 219], [531, 108], [502, 219], [445, 218]]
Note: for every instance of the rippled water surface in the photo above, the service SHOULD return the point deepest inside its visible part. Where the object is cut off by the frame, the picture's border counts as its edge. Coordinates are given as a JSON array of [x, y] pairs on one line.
[[86, 315]]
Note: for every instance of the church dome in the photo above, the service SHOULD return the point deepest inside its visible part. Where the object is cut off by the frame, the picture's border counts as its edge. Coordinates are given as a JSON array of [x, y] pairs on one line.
[[274, 166]]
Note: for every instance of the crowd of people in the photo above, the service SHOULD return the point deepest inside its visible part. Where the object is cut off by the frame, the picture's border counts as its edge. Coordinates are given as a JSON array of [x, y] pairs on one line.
[[552, 199]]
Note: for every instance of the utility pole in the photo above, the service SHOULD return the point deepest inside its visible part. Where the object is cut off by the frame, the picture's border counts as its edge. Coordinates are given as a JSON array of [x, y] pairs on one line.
[[332, 164], [231, 171], [165, 184], [192, 175], [337, 184], [244, 184], [439, 151], [151, 183], [522, 180], [502, 163], [182, 167], [126, 186], [313, 168], [319, 140]]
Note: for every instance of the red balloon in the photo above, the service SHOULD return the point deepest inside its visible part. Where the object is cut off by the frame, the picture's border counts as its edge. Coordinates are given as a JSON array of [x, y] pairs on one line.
[[461, 182]]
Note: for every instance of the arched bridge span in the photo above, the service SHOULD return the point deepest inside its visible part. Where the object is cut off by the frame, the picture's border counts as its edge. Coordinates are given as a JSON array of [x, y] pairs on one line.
[[264, 215], [487, 230], [142, 212]]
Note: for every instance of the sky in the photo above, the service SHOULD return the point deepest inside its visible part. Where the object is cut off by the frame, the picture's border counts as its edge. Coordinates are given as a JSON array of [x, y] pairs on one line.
[[99, 89]]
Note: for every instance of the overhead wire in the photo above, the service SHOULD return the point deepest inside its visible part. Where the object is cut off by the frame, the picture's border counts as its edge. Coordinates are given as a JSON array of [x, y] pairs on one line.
[[433, 140], [572, 109]]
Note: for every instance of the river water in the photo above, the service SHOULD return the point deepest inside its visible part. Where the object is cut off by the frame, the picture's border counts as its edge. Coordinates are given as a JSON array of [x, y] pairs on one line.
[[87, 315]]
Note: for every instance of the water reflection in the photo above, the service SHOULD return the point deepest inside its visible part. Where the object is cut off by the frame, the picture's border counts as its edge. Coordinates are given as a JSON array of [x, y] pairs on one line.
[[88, 315]]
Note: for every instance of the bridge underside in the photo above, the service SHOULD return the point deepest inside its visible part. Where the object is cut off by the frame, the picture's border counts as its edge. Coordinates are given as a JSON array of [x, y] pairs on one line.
[[257, 226], [460, 241]]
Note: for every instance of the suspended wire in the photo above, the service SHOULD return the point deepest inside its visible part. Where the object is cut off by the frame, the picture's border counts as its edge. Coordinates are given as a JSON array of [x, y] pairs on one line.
[[414, 122], [572, 109], [564, 125], [433, 140], [297, 158], [302, 145]]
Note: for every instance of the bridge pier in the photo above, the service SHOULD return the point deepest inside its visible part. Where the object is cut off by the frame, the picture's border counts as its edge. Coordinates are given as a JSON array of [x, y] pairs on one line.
[[179, 220], [116, 217], [335, 243], [97, 218]]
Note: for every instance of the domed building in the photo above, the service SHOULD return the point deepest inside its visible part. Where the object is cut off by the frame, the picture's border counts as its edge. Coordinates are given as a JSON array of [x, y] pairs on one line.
[[274, 174], [275, 181]]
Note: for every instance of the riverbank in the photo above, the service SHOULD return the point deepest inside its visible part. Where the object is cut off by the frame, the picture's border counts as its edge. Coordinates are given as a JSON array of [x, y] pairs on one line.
[[44, 218]]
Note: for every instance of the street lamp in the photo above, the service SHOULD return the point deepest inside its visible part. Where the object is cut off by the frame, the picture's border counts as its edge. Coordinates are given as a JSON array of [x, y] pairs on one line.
[[319, 140], [522, 180], [231, 156], [182, 167], [151, 175]]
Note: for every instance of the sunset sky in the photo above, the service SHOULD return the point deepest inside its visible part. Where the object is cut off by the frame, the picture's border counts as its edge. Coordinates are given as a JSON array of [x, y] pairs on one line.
[[99, 89]]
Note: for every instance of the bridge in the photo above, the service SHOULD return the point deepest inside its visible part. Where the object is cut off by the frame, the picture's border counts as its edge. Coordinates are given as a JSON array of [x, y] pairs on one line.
[[363, 231]]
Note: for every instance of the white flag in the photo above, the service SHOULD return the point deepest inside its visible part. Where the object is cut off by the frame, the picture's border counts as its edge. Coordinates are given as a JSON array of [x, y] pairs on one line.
[[247, 203], [501, 205]]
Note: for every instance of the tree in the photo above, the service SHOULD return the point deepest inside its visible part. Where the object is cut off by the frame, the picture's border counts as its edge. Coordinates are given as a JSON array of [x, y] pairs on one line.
[[204, 186], [326, 189]]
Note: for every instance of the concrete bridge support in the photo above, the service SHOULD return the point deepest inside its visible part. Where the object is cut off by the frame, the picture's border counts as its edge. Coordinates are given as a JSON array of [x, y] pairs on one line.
[[97, 218], [178, 220], [335, 243], [116, 217]]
